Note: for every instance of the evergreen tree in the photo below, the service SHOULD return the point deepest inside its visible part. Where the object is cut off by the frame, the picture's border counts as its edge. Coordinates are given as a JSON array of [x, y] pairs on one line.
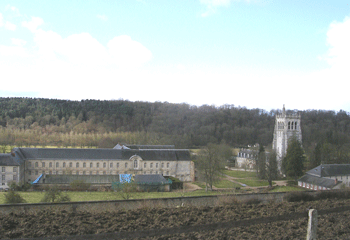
[[271, 167], [261, 163], [293, 162]]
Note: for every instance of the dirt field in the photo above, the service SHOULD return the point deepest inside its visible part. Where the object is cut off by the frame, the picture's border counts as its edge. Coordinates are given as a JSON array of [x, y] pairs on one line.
[[44, 224]]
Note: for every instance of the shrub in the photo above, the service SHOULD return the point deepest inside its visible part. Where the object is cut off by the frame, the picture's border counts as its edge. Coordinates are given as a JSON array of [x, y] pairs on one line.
[[14, 186], [13, 197], [298, 197], [55, 195], [79, 185]]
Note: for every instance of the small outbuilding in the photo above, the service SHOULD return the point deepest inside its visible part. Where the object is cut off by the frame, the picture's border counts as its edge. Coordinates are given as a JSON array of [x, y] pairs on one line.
[[326, 177]]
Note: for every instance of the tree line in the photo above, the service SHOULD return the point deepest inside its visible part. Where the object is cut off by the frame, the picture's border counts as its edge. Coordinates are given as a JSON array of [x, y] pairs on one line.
[[96, 123]]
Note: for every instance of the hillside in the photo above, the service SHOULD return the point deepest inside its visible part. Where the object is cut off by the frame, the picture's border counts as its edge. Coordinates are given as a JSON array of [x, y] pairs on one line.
[[158, 123]]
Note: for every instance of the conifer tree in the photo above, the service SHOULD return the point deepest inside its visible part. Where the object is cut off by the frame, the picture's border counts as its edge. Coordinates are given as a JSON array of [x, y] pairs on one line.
[[293, 162]]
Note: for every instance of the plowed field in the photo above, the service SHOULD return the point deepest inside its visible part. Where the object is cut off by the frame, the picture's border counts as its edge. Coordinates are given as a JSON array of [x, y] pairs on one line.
[[44, 224]]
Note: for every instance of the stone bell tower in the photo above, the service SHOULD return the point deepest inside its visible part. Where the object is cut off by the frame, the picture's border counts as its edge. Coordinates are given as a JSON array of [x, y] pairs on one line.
[[286, 126]]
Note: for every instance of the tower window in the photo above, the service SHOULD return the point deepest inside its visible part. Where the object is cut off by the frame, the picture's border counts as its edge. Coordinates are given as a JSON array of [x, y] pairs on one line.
[[296, 125], [288, 125]]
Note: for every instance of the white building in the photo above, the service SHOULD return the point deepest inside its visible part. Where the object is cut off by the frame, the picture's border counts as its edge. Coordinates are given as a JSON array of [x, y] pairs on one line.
[[326, 177], [9, 170], [69, 161], [286, 126]]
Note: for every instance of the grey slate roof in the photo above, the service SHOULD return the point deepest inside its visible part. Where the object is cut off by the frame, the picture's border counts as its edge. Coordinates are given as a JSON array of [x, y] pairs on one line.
[[151, 146], [319, 181], [101, 154], [150, 178], [66, 179], [328, 170], [7, 160]]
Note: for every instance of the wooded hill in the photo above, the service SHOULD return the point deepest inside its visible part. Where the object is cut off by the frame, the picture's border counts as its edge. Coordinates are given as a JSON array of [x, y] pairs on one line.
[[186, 126]]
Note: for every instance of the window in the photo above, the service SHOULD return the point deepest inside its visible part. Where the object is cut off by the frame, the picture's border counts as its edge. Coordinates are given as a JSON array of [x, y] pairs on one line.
[[288, 125], [97, 165], [57, 164], [117, 165], [156, 165], [104, 173], [90, 165], [167, 165], [151, 165], [295, 124], [14, 177], [77, 164], [36, 172], [126, 165], [70, 164], [111, 165], [162, 165], [84, 166], [29, 173], [3, 177], [64, 164], [167, 173], [43, 164], [50, 172], [145, 165], [50, 164], [36, 164], [3, 169], [104, 165], [135, 164]]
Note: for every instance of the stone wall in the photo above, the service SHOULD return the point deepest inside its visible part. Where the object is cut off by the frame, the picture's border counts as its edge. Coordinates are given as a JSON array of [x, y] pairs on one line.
[[111, 206]]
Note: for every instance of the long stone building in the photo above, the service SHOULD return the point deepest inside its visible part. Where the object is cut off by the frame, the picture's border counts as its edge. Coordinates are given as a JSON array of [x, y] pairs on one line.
[[286, 126], [32, 162]]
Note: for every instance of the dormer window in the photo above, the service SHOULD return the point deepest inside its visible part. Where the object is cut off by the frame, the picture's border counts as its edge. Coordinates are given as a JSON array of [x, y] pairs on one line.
[[135, 164]]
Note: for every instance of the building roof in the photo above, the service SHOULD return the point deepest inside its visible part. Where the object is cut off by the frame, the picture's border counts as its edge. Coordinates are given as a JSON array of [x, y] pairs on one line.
[[319, 181], [150, 178], [151, 146], [329, 170], [7, 160], [66, 179], [101, 154]]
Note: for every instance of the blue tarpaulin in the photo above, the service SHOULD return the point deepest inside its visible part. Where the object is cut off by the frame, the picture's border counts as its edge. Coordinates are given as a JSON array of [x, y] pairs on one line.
[[37, 180], [125, 178]]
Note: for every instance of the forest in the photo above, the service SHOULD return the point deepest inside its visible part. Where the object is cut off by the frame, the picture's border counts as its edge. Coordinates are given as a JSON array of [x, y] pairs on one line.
[[97, 123]]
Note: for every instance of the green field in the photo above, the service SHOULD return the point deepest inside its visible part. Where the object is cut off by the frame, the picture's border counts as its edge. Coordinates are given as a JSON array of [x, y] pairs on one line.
[[240, 174], [226, 184]]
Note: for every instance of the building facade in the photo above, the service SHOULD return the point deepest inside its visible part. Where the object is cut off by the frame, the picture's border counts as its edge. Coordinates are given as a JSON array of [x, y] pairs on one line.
[[9, 170], [286, 127], [326, 177], [66, 161]]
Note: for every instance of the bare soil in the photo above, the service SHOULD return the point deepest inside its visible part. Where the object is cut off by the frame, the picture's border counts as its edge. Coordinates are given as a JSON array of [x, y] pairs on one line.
[[44, 224]]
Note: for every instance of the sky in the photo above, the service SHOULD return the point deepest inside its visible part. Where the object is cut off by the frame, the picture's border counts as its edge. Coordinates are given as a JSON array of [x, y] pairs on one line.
[[248, 53]]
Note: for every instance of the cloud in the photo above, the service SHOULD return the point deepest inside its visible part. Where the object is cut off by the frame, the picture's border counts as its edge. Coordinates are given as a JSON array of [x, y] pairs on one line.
[[338, 38], [102, 17], [1, 20], [125, 51], [213, 5], [33, 24], [18, 42], [10, 26]]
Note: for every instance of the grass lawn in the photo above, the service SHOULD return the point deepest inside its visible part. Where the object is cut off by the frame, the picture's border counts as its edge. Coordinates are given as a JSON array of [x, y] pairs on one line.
[[254, 182], [286, 189], [226, 184], [240, 174]]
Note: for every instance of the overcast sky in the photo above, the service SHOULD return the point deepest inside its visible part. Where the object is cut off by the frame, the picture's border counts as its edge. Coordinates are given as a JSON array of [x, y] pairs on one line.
[[252, 53]]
